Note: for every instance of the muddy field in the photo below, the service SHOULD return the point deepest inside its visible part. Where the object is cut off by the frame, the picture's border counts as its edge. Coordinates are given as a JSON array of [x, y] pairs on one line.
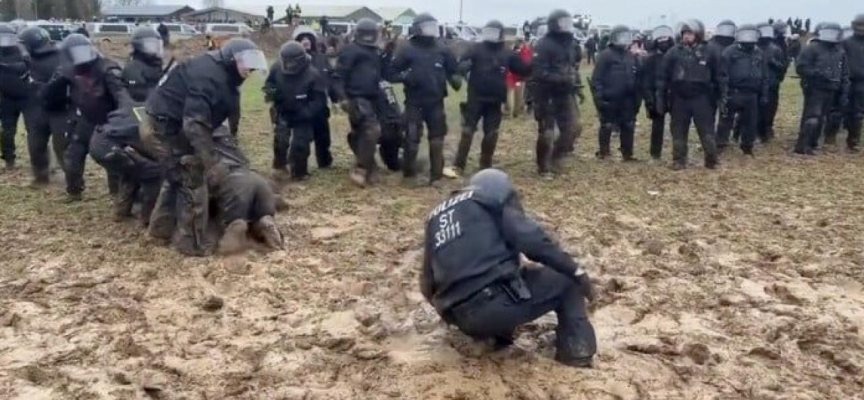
[[740, 283]]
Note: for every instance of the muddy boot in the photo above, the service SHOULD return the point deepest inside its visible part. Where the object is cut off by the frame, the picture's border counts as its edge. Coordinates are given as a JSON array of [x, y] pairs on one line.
[[73, 198], [163, 218], [40, 178], [281, 175], [124, 199], [149, 196], [544, 153], [464, 148], [358, 176], [436, 160], [234, 239], [268, 231], [487, 149], [10, 165], [113, 183]]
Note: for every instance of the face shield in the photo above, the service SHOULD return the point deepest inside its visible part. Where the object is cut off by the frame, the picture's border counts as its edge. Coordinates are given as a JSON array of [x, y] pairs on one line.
[[80, 55], [565, 24], [8, 40], [542, 30], [829, 35], [623, 39], [747, 36], [490, 34], [428, 28], [295, 65], [151, 46], [725, 31], [661, 32], [848, 33], [251, 60], [766, 32]]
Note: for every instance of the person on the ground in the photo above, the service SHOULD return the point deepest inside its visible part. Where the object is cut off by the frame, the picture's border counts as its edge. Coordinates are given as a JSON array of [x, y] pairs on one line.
[[615, 85], [473, 276], [196, 97], [824, 71], [662, 41], [425, 67], [745, 80], [14, 91], [688, 79], [486, 65], [95, 86], [557, 83]]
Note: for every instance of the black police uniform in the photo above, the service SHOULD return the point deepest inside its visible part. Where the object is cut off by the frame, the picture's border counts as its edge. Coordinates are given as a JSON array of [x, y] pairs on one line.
[[321, 123], [615, 85], [141, 75], [95, 91], [43, 125], [357, 79], [556, 80], [824, 71], [744, 78], [690, 76], [196, 97], [14, 95], [424, 66], [486, 64], [854, 48], [777, 66], [299, 100], [650, 69], [472, 275], [716, 46]]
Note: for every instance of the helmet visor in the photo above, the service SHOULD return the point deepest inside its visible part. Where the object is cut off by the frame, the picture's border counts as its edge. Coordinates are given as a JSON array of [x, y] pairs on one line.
[[748, 36], [428, 28], [848, 33], [623, 39], [79, 55], [151, 46], [294, 65], [565, 24], [252, 60], [542, 30], [766, 31], [8, 40], [830, 35], [725, 30], [491, 34], [661, 32]]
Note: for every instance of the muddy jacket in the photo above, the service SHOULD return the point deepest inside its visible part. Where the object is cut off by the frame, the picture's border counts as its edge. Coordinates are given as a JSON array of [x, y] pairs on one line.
[[14, 75], [689, 71], [358, 72], [486, 65], [424, 68], [473, 241], [95, 92], [298, 98], [823, 66], [141, 76], [554, 65], [616, 75], [777, 64], [854, 47], [744, 71]]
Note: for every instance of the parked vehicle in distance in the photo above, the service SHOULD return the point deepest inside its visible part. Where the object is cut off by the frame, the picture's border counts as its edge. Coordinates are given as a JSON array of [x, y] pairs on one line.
[[106, 32], [178, 31], [56, 30], [227, 30]]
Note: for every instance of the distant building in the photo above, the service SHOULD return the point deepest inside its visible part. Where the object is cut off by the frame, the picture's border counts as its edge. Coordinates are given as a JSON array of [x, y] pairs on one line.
[[397, 15], [312, 13], [136, 13], [221, 14]]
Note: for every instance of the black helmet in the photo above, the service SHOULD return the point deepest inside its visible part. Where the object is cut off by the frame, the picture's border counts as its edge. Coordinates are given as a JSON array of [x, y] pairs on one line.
[[366, 32], [8, 38], [493, 32], [425, 25], [725, 28], [662, 32], [294, 58], [858, 25], [620, 36], [747, 34], [36, 40], [243, 53], [779, 28], [494, 184], [829, 32], [78, 50], [146, 41], [560, 21], [766, 30]]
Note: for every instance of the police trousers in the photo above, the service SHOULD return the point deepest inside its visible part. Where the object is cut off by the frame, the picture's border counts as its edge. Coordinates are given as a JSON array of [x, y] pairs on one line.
[[743, 104], [432, 115], [768, 112], [549, 110], [138, 176], [10, 113], [42, 127], [490, 113], [364, 118], [75, 156], [817, 105], [699, 110], [620, 114]]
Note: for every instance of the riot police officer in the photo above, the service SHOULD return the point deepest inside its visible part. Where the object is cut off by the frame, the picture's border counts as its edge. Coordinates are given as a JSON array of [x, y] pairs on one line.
[[824, 71], [144, 69], [744, 80], [777, 66], [42, 125], [556, 79], [14, 91], [689, 75], [486, 65], [299, 93], [724, 36], [614, 86], [195, 98], [357, 82], [854, 113], [425, 67], [661, 40], [96, 88], [321, 125], [472, 275]]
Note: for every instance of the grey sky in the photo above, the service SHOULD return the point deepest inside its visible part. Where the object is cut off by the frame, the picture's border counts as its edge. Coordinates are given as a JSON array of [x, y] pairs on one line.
[[643, 13]]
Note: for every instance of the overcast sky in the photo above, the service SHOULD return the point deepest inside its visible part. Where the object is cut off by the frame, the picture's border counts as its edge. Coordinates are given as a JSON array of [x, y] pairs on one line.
[[640, 13]]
